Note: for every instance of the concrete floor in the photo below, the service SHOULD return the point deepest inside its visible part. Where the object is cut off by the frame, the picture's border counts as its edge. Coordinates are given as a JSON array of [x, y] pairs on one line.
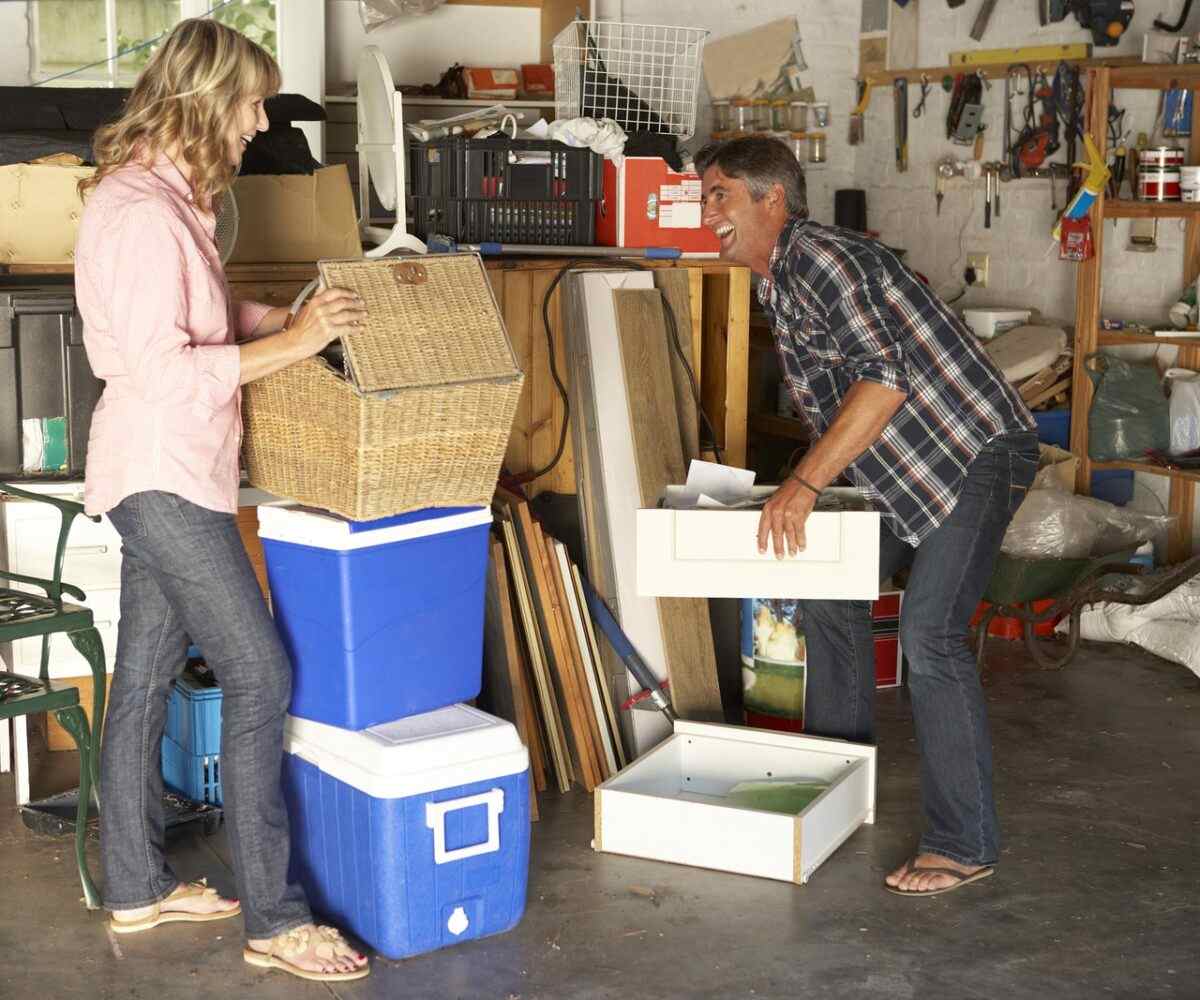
[[1098, 893]]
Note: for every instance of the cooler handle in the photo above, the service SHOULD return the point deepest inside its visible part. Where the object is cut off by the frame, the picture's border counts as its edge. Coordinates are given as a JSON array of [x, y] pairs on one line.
[[435, 819]]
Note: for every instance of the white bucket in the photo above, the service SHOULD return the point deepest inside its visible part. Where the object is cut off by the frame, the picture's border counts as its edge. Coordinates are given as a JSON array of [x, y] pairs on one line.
[[1189, 183]]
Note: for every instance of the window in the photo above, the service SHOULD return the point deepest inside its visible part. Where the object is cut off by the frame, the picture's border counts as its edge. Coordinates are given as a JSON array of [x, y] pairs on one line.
[[75, 41]]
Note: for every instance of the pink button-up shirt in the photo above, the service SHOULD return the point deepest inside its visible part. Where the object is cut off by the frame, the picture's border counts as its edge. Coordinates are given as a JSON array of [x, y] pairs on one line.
[[159, 328]]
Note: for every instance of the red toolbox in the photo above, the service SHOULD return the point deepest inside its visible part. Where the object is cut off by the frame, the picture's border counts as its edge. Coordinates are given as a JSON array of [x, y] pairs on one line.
[[647, 204]]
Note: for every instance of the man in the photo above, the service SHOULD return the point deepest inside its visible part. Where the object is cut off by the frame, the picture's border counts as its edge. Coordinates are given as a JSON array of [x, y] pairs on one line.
[[905, 404]]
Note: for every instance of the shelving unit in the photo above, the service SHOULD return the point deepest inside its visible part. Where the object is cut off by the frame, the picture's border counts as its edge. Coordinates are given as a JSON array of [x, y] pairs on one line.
[[1102, 82]]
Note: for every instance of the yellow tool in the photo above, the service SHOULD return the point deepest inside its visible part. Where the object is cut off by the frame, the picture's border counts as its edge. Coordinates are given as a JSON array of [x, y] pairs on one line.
[[1026, 54], [1093, 185]]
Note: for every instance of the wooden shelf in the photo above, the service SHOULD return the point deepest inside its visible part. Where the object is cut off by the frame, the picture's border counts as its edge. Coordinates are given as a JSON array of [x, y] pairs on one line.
[[1127, 208], [1147, 76], [998, 70], [1157, 470], [1115, 338], [788, 427], [447, 102]]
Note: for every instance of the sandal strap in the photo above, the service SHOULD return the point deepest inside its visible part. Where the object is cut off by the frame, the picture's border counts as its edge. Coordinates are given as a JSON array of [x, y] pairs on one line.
[[329, 945], [187, 890]]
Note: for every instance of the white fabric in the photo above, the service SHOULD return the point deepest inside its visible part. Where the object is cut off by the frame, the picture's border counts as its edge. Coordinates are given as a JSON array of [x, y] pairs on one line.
[[603, 136]]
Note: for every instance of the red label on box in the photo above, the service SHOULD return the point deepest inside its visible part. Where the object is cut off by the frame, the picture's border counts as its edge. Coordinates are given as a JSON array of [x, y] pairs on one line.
[[646, 204]]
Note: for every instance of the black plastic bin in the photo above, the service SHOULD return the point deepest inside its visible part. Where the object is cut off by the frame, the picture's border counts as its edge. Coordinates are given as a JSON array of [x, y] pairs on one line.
[[504, 190]]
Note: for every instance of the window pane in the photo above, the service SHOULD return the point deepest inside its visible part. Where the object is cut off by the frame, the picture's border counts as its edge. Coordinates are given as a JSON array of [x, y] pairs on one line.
[[70, 34], [253, 18], [138, 23]]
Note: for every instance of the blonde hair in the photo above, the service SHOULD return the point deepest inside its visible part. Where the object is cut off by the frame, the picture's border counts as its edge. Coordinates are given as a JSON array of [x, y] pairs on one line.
[[183, 100]]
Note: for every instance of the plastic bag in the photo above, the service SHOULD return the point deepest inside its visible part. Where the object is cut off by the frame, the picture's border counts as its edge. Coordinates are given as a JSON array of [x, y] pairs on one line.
[[1129, 414], [1183, 385], [1052, 524], [376, 13]]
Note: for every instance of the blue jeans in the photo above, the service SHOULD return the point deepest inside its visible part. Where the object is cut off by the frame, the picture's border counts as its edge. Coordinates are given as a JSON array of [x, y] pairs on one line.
[[950, 570], [185, 573]]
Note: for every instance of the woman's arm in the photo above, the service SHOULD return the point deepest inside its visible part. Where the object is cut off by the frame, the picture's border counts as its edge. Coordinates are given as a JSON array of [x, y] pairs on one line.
[[328, 316]]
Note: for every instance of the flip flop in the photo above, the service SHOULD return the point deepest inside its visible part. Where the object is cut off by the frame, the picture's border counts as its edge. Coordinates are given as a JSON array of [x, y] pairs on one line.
[[283, 947], [157, 915], [960, 879]]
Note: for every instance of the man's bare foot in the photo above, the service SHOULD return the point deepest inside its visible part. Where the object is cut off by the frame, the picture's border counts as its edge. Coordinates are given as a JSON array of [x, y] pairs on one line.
[[910, 877], [321, 951]]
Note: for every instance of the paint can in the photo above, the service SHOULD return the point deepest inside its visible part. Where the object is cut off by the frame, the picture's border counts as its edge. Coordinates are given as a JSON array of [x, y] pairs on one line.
[[1160, 158], [1158, 185]]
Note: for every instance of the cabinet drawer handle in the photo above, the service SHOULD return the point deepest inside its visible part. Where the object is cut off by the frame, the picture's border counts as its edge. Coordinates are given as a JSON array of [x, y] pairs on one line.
[[87, 550]]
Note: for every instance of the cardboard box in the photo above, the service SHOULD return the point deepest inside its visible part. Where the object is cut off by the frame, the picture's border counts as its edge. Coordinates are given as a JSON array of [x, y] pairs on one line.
[[646, 204], [672, 804], [714, 553], [296, 217], [39, 212]]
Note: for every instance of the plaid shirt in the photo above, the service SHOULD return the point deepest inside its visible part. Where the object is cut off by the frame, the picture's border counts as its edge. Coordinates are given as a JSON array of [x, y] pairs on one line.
[[845, 309]]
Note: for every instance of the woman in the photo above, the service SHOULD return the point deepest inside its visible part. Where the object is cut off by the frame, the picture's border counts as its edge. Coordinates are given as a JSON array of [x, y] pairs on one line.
[[160, 330]]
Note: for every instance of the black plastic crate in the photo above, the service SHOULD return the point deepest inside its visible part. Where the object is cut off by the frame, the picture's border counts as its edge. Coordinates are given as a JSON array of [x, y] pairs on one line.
[[504, 190]]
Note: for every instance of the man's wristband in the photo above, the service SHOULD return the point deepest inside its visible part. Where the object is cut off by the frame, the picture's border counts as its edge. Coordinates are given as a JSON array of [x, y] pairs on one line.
[[805, 483]]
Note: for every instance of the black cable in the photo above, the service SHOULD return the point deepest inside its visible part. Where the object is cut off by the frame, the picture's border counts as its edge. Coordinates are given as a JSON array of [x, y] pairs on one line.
[[599, 264]]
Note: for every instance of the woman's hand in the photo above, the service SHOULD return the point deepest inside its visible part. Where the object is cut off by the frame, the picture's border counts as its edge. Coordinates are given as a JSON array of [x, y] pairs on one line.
[[783, 518], [327, 316]]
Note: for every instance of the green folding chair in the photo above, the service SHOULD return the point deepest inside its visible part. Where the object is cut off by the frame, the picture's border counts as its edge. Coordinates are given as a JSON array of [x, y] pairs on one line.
[[24, 614]]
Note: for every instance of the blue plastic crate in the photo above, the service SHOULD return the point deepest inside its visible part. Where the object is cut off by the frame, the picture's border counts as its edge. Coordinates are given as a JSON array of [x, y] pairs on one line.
[[1113, 485], [196, 775], [1054, 427], [194, 717]]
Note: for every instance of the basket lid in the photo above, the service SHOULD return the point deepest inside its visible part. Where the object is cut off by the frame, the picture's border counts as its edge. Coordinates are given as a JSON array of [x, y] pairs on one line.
[[431, 320]]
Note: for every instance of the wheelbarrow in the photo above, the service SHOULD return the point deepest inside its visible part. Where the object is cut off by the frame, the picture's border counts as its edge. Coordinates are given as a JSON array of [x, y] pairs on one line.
[[1072, 584]]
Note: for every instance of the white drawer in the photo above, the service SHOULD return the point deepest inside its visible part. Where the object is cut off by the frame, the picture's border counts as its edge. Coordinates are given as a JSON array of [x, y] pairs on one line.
[[65, 660], [93, 554]]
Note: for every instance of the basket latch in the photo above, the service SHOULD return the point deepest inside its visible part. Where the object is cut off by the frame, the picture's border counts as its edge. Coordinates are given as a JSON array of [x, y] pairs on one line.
[[409, 273]]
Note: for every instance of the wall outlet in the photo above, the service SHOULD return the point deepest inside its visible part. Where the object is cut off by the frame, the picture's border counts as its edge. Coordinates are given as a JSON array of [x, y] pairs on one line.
[[979, 263]]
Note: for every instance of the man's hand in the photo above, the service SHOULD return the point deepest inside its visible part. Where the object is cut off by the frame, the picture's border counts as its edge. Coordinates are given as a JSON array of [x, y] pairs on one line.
[[783, 518]]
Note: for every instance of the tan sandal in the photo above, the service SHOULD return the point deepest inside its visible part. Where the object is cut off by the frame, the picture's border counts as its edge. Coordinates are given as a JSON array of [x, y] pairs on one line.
[[330, 947], [157, 915]]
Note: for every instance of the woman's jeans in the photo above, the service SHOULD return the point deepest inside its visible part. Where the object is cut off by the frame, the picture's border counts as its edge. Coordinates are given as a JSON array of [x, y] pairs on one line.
[[184, 573], [949, 571]]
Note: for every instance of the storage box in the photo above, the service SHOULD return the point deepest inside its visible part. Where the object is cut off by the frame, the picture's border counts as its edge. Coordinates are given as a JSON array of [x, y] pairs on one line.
[[195, 775], [194, 716], [646, 204], [414, 835], [714, 553], [295, 217], [672, 803], [381, 619], [532, 191], [420, 417], [40, 219]]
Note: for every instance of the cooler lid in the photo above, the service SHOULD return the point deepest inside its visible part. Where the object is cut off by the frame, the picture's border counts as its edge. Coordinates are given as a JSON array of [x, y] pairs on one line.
[[453, 746], [293, 522], [431, 320]]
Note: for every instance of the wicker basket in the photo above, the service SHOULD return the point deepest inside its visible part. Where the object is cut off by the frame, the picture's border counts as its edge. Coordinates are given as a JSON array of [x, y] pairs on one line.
[[421, 417]]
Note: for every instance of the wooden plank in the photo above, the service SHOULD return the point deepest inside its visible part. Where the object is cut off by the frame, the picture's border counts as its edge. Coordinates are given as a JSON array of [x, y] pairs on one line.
[[713, 351], [517, 288], [547, 398], [546, 608], [737, 365], [552, 726], [675, 287], [502, 660], [658, 459], [609, 708], [589, 724], [1128, 208]]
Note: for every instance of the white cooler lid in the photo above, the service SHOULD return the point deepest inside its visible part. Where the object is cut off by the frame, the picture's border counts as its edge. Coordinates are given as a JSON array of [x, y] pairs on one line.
[[291, 522], [453, 746]]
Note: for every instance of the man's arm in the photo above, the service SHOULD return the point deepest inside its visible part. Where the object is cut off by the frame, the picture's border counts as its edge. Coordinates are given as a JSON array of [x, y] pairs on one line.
[[864, 413]]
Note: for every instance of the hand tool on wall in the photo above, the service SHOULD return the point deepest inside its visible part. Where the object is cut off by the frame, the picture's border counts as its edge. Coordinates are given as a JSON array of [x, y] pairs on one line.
[[857, 116], [987, 196], [900, 99], [964, 118], [624, 649], [920, 108], [982, 18], [1105, 19]]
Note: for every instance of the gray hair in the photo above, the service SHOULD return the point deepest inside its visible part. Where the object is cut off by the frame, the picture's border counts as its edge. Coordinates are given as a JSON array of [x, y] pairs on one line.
[[760, 162]]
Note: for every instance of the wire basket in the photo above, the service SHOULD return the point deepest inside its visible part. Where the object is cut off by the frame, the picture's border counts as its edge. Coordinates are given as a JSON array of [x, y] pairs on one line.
[[643, 76]]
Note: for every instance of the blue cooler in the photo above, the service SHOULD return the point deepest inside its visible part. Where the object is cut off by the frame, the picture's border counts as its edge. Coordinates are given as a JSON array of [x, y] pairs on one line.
[[382, 619], [413, 835]]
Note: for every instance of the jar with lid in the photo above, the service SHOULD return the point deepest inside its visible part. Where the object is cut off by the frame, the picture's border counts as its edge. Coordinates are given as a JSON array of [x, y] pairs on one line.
[[798, 144], [816, 147], [820, 114], [762, 115], [721, 115], [798, 116], [741, 116], [779, 115]]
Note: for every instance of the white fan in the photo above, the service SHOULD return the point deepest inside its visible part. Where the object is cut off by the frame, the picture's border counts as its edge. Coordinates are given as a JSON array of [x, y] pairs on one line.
[[227, 226], [381, 141]]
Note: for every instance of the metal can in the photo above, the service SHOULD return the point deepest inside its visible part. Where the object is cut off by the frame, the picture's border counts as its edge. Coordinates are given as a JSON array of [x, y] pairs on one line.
[[1160, 158], [1159, 185]]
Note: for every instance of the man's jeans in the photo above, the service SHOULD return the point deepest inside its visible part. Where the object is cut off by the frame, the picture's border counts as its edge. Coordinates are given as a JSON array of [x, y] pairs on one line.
[[185, 573], [950, 570]]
